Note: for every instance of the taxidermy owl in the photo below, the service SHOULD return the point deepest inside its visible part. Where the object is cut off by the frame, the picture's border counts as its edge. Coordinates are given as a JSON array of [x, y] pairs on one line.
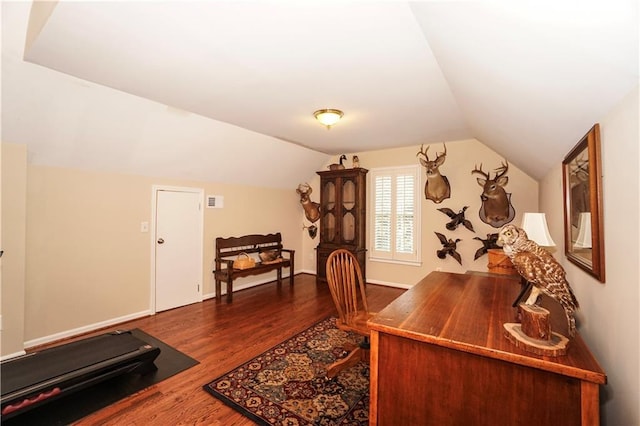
[[540, 269]]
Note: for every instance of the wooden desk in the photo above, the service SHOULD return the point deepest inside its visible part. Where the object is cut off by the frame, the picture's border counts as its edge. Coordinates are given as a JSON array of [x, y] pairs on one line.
[[439, 357]]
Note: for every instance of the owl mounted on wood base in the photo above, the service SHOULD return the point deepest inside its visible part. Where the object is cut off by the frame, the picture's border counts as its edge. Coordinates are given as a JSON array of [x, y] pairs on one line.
[[540, 269]]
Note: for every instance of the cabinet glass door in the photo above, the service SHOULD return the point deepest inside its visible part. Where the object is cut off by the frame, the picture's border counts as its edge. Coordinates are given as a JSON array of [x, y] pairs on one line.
[[348, 217], [328, 227]]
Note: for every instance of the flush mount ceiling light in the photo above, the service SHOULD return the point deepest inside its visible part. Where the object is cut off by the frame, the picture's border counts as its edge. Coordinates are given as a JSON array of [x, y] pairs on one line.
[[328, 117]]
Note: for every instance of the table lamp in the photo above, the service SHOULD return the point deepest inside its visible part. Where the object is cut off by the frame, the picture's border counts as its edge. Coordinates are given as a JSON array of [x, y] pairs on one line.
[[584, 231], [535, 225]]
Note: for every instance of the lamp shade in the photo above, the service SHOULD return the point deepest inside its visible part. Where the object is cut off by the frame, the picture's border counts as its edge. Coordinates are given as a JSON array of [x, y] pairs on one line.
[[584, 231], [328, 117], [535, 225]]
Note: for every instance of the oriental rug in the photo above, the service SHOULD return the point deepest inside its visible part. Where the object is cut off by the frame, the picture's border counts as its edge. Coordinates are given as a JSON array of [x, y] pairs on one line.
[[287, 384]]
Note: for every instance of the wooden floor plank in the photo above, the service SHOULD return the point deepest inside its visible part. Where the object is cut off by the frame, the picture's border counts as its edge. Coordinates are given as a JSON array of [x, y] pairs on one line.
[[222, 336]]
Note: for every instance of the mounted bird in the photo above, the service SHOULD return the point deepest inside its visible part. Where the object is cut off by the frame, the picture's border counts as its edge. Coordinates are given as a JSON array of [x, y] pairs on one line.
[[456, 219], [490, 243], [449, 247], [338, 166], [540, 269]]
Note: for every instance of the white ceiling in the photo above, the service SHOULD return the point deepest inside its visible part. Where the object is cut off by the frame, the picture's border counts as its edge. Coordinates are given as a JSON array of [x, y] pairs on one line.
[[526, 78]]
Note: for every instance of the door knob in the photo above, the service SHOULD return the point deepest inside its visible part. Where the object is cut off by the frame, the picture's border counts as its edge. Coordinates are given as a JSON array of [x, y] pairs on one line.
[[160, 241]]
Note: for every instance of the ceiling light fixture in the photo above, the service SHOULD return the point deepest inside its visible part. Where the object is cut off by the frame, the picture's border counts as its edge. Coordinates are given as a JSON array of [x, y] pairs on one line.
[[328, 117]]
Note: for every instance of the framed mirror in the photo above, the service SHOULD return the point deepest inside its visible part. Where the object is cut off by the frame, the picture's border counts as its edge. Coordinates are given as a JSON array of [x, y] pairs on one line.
[[583, 221]]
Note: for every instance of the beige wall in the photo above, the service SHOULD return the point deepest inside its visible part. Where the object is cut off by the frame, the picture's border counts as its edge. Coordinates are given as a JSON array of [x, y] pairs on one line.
[[608, 318], [88, 264], [13, 193], [462, 157], [85, 252]]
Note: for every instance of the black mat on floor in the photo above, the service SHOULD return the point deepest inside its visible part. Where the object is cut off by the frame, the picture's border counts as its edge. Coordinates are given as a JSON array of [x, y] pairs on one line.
[[80, 404]]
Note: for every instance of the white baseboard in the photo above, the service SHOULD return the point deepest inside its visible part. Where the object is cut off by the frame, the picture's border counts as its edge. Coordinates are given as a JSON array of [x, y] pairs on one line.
[[91, 327], [389, 284], [13, 355], [85, 329], [370, 281], [236, 287]]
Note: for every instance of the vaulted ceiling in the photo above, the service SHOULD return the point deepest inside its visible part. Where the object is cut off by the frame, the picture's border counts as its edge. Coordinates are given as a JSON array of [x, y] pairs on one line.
[[215, 90]]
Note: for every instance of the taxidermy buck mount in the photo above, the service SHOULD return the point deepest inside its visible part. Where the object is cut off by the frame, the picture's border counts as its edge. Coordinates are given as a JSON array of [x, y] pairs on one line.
[[311, 209], [496, 208], [437, 187], [336, 166]]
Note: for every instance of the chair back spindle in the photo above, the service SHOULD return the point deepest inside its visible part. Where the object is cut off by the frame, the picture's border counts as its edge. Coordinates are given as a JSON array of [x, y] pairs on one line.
[[348, 293], [346, 285]]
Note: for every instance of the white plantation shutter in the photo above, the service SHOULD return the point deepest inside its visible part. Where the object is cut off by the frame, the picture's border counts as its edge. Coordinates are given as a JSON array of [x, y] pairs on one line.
[[382, 226], [394, 222], [405, 213]]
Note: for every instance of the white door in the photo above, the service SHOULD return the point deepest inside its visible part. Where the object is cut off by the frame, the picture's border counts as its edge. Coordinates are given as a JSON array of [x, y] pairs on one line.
[[178, 248]]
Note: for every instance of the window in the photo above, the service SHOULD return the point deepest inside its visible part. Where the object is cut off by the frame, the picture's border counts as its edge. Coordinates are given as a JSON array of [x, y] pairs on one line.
[[395, 214]]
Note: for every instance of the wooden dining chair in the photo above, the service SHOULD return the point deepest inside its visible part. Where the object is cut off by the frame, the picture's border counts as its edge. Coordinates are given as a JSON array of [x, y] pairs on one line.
[[348, 293]]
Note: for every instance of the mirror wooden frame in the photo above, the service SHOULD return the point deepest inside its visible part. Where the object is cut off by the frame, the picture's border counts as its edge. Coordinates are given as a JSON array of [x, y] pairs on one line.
[[591, 171]]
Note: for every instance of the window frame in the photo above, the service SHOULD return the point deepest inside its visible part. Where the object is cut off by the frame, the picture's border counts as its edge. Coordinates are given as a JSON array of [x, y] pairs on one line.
[[393, 256]]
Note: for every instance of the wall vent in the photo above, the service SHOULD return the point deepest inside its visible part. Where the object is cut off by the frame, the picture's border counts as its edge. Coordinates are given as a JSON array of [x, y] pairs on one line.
[[215, 201]]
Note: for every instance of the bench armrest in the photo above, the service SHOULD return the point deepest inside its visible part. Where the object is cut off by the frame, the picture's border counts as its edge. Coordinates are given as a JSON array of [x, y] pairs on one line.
[[220, 262], [291, 252]]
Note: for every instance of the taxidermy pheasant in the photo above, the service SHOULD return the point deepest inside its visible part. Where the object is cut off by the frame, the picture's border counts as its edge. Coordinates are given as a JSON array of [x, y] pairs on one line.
[[457, 219], [490, 243], [448, 248], [541, 270]]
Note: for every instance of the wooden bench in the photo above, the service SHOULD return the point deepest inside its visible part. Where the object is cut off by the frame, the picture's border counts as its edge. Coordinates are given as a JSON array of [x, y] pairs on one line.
[[228, 250]]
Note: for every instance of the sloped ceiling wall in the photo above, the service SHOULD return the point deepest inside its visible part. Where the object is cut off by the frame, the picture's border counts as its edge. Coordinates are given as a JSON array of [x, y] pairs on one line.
[[220, 91]]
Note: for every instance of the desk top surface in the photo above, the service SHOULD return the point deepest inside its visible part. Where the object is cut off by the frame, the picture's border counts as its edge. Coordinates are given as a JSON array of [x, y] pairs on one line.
[[466, 312]]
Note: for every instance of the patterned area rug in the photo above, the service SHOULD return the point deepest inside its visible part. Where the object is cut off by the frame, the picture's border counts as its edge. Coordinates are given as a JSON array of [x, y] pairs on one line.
[[287, 385]]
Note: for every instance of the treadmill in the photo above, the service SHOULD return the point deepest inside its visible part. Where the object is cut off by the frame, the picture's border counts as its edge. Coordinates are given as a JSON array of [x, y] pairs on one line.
[[32, 380]]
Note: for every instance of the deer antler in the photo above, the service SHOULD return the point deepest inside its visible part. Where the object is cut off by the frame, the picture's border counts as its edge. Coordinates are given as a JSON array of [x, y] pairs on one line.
[[480, 172], [424, 153], [582, 164], [581, 169], [500, 171], [304, 189], [438, 155]]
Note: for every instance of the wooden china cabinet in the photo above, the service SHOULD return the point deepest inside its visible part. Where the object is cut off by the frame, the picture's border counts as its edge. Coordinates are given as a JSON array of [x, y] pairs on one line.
[[343, 202]]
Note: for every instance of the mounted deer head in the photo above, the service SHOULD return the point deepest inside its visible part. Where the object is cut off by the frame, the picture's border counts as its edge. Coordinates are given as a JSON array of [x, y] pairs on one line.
[[311, 209], [437, 186], [496, 209]]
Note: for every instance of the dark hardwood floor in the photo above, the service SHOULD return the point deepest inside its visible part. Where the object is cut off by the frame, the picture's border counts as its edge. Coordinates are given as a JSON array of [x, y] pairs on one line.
[[222, 336]]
